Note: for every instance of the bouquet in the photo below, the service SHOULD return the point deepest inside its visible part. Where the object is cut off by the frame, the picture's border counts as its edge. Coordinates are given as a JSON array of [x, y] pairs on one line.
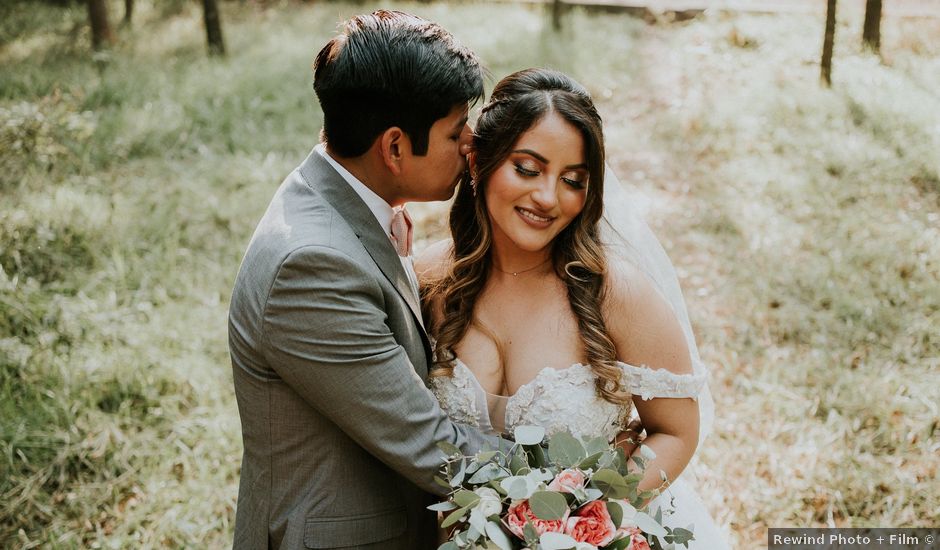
[[569, 495]]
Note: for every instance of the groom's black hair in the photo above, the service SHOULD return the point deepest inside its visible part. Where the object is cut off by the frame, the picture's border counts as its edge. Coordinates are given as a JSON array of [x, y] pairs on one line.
[[386, 69]]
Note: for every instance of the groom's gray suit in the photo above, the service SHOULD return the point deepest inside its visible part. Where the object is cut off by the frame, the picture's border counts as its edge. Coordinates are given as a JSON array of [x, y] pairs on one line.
[[329, 358]]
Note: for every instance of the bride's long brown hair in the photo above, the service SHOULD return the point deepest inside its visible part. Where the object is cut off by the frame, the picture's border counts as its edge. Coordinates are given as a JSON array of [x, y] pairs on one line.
[[518, 102]]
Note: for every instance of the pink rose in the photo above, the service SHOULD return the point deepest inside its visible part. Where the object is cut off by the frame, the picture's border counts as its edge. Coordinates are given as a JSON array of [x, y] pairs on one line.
[[638, 542], [567, 481], [592, 524], [520, 513]]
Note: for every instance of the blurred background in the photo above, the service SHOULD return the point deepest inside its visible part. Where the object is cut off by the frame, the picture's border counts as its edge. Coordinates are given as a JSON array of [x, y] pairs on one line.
[[804, 220]]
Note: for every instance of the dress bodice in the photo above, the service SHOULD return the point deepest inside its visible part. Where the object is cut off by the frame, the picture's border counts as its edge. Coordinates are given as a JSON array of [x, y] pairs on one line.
[[556, 399]]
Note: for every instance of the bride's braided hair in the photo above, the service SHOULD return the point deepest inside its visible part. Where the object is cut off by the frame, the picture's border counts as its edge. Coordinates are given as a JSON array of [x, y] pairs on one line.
[[518, 102]]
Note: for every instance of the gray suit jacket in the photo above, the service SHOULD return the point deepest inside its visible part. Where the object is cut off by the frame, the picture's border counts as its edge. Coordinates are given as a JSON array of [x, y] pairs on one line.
[[329, 360]]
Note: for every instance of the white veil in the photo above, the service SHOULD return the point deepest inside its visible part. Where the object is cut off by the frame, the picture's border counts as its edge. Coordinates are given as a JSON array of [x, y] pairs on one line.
[[627, 237]]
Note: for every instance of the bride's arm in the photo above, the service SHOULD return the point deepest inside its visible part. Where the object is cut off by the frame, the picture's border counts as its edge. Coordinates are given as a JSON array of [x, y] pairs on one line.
[[647, 334]]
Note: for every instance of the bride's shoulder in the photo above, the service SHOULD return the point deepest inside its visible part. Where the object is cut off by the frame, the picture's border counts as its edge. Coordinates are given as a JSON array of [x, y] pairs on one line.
[[433, 262], [641, 322]]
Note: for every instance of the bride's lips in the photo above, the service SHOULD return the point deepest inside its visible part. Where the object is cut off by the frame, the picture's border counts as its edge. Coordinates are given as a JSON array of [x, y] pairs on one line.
[[534, 220]]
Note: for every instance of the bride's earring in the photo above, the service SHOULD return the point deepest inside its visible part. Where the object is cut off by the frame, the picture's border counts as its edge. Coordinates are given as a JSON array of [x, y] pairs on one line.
[[473, 184]]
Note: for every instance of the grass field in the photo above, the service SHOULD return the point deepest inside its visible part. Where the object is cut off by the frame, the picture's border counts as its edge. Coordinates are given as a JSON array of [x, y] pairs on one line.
[[805, 224]]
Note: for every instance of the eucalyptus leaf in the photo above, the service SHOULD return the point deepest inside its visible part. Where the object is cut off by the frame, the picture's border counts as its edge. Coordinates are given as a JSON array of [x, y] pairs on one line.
[[548, 505], [518, 463], [556, 541], [498, 536], [590, 462], [633, 478], [535, 456], [472, 467], [565, 450], [486, 456], [449, 448], [530, 533], [458, 477], [454, 517], [541, 475], [593, 494], [610, 483], [648, 524], [449, 545], [647, 452], [595, 444], [620, 544], [445, 506], [466, 499], [529, 435], [518, 488], [477, 523], [442, 482], [615, 511], [620, 460], [681, 536], [488, 473]]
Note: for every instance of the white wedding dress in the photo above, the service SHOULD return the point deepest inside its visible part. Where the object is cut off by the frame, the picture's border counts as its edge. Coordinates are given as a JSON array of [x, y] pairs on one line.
[[565, 400]]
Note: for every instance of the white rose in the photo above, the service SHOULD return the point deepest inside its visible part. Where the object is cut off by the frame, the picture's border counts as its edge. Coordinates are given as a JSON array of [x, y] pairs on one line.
[[490, 502]]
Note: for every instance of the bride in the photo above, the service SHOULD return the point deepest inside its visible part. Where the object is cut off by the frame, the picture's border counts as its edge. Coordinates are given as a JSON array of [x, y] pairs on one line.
[[553, 304]]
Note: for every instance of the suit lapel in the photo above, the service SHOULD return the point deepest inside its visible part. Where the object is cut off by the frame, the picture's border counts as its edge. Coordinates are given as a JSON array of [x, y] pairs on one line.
[[318, 172]]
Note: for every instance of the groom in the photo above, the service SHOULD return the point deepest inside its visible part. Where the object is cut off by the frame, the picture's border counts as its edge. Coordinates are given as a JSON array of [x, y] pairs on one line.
[[327, 344]]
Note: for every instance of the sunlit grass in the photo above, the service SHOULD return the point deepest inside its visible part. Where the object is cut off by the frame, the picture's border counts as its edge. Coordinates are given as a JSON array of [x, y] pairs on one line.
[[805, 224]]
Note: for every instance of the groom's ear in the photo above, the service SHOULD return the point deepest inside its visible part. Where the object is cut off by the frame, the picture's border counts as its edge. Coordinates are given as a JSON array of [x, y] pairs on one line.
[[393, 144]]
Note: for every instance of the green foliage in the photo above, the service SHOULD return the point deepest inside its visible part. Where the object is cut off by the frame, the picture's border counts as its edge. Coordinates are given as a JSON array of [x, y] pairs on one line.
[[548, 505], [804, 223]]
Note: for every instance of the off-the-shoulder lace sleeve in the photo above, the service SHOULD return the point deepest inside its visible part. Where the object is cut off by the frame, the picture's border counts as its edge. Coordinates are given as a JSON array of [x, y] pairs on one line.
[[649, 383]]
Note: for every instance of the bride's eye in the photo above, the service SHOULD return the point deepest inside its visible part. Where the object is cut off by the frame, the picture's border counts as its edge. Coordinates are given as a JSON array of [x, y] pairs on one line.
[[575, 180], [529, 171]]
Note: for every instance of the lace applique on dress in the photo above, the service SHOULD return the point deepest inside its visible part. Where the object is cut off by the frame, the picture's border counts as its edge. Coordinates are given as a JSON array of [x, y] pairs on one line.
[[564, 401], [649, 383], [457, 395], [558, 399]]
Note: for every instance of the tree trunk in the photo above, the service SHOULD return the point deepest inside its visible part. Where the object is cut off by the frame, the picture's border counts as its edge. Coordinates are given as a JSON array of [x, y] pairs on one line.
[[828, 42], [128, 11], [101, 34], [871, 35], [210, 12], [556, 14]]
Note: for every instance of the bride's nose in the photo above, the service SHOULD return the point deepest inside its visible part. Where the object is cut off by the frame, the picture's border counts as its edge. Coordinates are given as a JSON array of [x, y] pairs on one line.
[[544, 195]]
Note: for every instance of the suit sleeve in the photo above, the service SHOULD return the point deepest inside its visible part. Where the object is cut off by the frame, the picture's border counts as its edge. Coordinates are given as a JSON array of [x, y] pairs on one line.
[[326, 335]]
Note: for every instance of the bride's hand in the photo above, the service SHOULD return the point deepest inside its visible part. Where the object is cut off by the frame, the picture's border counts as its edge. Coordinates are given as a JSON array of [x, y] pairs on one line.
[[631, 437]]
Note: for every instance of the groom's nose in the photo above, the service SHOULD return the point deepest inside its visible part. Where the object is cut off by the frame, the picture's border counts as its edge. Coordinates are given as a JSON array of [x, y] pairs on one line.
[[466, 140]]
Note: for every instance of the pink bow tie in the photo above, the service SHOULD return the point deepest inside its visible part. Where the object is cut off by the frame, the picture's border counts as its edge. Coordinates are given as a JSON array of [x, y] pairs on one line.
[[401, 232]]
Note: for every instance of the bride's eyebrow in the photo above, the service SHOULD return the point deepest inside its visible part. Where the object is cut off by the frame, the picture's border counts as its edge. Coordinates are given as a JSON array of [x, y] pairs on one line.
[[543, 160], [532, 153]]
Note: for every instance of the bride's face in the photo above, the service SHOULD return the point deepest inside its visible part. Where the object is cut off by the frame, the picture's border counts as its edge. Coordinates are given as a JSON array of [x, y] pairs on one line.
[[540, 187]]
